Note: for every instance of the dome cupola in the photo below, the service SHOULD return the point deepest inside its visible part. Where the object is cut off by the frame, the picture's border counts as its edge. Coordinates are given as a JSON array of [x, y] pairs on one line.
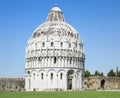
[[55, 14]]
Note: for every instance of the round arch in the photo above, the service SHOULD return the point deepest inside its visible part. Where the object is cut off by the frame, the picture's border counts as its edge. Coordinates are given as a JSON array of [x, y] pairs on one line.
[[102, 83]]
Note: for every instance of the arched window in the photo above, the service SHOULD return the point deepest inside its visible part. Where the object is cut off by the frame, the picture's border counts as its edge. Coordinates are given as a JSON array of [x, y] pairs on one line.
[[55, 59], [35, 45], [43, 44], [69, 45], [52, 44], [34, 76], [61, 76], [51, 76], [28, 72], [61, 44], [41, 76]]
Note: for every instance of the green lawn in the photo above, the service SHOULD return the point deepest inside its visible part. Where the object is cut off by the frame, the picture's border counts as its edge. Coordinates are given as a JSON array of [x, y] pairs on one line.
[[73, 94]]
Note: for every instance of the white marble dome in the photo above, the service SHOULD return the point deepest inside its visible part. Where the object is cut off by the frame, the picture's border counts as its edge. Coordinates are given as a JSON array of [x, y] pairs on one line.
[[54, 56]]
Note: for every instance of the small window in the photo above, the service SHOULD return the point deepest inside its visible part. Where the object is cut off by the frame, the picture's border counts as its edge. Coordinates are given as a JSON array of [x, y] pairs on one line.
[[61, 44], [39, 59], [76, 45], [61, 76], [28, 72], [55, 59], [80, 45], [69, 45], [70, 60], [41, 76], [43, 44], [51, 76], [52, 44]]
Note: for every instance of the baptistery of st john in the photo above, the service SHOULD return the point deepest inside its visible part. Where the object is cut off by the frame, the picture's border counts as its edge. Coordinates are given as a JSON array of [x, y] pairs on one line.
[[54, 56]]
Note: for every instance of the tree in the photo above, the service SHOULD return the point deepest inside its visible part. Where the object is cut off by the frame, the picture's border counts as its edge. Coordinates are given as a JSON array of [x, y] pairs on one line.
[[86, 73], [111, 73], [97, 73], [101, 74]]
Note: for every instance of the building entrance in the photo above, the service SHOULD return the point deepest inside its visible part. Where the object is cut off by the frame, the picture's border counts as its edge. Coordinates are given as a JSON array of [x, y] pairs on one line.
[[102, 83], [70, 79]]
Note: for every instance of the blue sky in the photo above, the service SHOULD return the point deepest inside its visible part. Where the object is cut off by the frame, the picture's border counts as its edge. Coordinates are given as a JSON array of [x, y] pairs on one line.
[[97, 21]]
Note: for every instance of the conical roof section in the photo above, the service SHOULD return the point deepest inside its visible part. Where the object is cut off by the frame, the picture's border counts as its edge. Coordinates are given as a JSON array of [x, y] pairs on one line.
[[55, 25]]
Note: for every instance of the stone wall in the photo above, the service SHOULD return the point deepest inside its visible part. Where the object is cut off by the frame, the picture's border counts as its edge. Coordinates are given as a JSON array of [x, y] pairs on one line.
[[102, 82], [17, 84], [11, 84]]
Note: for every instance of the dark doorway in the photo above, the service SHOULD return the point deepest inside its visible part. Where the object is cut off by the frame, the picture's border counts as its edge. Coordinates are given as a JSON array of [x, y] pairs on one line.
[[69, 84], [102, 83], [70, 76]]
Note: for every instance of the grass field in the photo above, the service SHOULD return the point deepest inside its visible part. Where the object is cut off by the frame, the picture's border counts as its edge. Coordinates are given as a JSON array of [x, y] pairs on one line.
[[76, 94]]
